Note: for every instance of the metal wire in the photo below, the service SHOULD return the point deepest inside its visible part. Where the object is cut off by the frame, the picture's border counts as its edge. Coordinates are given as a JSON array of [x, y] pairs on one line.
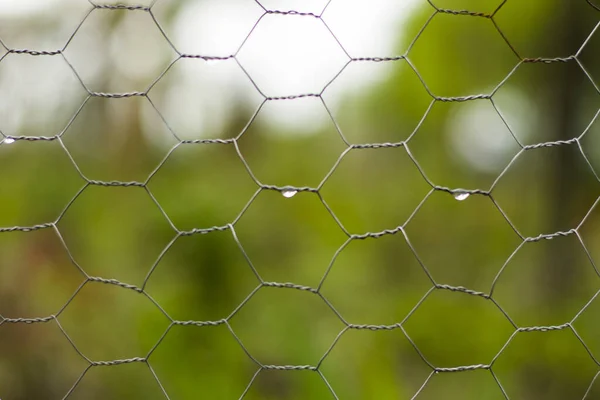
[[231, 227]]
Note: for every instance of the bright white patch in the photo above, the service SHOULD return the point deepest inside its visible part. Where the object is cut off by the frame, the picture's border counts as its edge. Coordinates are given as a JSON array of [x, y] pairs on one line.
[[212, 28], [302, 116], [279, 45], [13, 8], [224, 23], [381, 21], [478, 136], [370, 28], [461, 196], [289, 193]]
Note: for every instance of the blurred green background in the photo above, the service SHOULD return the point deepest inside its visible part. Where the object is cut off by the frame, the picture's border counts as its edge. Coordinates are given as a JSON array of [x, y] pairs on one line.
[[136, 235]]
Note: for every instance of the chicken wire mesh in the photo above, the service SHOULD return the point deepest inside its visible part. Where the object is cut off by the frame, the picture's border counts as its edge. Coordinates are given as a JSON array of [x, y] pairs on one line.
[[255, 345]]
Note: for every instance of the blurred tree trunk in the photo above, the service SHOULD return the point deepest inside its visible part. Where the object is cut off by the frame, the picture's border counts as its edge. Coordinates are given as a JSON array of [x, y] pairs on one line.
[[563, 188]]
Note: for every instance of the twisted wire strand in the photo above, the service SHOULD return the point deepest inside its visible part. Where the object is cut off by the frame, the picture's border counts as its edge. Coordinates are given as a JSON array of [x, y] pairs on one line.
[[295, 189]]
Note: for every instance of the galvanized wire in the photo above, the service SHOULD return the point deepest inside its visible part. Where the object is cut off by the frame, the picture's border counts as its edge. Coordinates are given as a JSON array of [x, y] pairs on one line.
[[231, 226]]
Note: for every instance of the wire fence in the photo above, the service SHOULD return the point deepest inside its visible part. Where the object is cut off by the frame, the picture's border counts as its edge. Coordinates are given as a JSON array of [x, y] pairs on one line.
[[231, 151]]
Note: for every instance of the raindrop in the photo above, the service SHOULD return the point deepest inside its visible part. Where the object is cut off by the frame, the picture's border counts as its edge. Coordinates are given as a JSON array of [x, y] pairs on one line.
[[461, 196], [289, 193], [213, 61], [9, 140]]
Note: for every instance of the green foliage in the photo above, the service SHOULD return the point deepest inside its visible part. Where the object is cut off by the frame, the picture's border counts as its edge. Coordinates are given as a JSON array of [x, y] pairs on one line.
[[119, 233]]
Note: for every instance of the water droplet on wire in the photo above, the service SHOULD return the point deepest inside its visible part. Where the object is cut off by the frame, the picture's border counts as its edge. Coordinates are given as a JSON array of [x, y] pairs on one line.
[[289, 193], [9, 140], [461, 196], [213, 61]]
